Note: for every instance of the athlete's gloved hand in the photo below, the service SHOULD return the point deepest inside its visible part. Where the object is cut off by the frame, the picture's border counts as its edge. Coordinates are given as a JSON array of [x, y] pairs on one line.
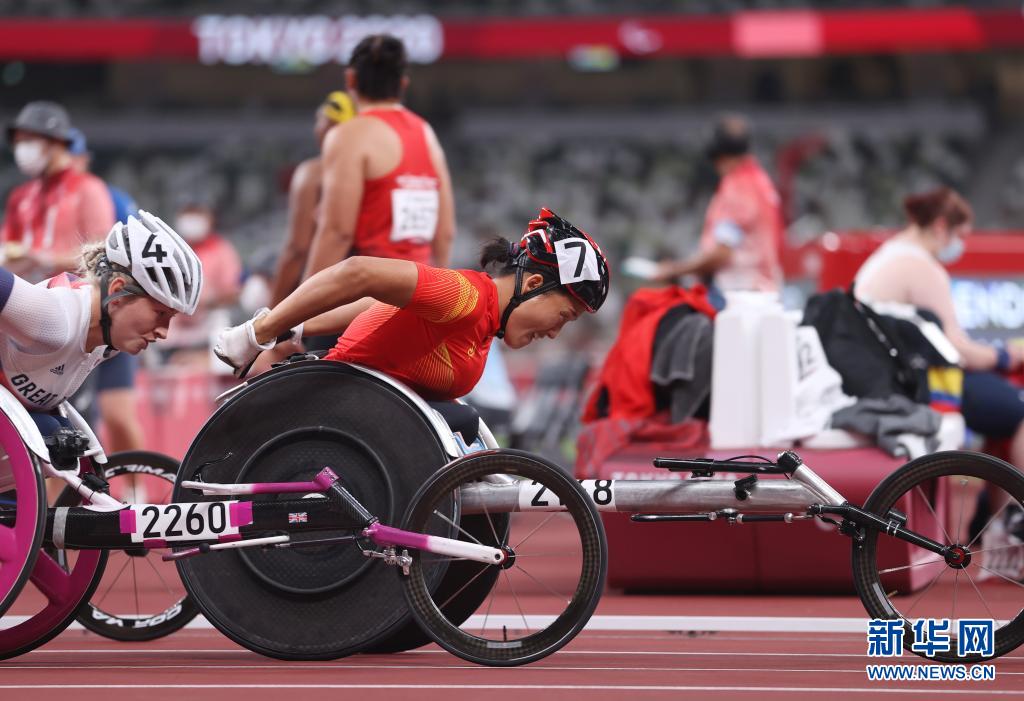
[[237, 345]]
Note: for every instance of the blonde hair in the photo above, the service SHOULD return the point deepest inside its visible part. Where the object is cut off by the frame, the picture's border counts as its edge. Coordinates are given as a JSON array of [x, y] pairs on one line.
[[89, 259]]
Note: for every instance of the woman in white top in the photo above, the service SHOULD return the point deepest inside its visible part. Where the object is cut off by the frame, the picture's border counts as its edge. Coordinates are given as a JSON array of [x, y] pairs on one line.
[[909, 268], [54, 333]]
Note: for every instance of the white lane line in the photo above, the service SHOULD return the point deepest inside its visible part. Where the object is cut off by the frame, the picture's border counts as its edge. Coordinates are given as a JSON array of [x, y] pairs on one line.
[[560, 653], [416, 668], [749, 624], [532, 687]]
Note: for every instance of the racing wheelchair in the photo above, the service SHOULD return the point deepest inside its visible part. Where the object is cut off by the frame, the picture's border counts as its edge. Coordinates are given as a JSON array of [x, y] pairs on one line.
[[325, 509]]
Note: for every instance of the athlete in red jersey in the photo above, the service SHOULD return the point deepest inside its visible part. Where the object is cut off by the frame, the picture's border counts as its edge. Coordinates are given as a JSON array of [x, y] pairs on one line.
[[386, 187], [431, 327]]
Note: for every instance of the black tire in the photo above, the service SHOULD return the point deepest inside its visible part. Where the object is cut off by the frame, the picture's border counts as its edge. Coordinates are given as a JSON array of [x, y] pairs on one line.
[[580, 559], [181, 609], [941, 508]]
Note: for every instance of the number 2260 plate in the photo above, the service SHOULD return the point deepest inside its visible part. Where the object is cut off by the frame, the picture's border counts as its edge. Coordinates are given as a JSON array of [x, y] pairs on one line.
[[199, 521]]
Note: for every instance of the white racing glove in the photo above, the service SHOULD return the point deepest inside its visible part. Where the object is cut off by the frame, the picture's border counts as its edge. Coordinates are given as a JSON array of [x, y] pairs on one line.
[[237, 345]]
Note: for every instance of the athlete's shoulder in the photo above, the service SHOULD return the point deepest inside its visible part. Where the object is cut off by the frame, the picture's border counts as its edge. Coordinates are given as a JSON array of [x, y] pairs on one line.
[[65, 281], [307, 173]]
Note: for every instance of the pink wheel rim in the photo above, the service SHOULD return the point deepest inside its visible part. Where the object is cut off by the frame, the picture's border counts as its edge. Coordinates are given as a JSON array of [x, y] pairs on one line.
[[64, 592], [18, 544]]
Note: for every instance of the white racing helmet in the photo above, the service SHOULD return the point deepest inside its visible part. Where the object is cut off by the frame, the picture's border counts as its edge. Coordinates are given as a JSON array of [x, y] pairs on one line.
[[159, 260], [161, 263]]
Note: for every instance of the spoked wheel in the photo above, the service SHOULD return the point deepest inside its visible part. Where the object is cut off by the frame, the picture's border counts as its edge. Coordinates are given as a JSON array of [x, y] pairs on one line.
[[982, 576], [552, 579], [22, 513], [140, 597], [61, 582], [462, 589]]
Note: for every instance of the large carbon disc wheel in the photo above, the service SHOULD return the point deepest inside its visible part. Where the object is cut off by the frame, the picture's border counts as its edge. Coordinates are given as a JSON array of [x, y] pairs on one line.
[[974, 503], [554, 572], [321, 601], [140, 597]]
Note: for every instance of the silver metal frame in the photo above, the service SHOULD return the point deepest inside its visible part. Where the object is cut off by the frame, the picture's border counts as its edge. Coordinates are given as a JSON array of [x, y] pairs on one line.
[[684, 496]]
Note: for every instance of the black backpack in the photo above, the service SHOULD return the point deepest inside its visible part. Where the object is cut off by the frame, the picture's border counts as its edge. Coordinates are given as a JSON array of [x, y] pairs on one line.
[[876, 355]]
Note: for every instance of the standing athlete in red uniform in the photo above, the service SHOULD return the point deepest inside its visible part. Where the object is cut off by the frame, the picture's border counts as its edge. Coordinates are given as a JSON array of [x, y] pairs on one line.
[[386, 188], [431, 327]]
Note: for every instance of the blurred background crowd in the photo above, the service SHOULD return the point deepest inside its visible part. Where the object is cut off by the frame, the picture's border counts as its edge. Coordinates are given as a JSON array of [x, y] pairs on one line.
[[599, 109]]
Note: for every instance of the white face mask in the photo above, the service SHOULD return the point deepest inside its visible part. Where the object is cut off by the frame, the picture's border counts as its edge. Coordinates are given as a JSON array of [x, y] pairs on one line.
[[255, 294], [192, 227], [31, 157]]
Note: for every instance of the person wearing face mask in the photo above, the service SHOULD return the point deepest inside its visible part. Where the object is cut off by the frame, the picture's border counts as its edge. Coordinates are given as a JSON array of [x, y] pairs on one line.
[[222, 268], [910, 268], [48, 218]]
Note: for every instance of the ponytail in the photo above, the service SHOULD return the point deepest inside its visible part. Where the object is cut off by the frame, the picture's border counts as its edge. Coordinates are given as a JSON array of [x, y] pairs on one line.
[[497, 258]]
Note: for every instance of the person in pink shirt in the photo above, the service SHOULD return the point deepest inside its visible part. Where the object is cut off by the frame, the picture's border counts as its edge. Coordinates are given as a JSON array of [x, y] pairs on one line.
[[743, 227], [48, 218], [222, 279]]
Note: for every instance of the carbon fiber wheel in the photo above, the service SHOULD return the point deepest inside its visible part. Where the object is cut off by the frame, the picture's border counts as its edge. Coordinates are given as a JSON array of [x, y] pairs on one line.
[[968, 500], [140, 597], [553, 577]]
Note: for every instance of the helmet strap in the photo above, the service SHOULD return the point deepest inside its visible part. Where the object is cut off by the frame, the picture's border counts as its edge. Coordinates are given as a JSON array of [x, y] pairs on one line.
[[105, 299], [518, 297]]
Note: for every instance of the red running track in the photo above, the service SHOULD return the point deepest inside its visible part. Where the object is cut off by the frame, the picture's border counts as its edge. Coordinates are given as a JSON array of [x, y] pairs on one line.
[[599, 664]]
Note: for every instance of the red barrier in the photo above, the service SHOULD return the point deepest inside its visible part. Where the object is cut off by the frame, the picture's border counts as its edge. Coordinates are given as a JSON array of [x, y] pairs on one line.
[[987, 254], [174, 404]]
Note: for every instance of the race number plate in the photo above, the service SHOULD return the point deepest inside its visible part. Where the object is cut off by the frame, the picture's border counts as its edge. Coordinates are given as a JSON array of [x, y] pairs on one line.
[[414, 214], [208, 520], [537, 497]]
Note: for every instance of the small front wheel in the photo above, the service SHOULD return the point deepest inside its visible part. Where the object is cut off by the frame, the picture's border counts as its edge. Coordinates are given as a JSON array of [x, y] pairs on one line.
[[972, 502], [556, 557]]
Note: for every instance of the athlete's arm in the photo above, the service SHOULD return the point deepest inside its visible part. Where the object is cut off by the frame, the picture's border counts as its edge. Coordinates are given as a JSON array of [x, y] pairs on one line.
[[930, 288], [704, 263], [31, 315], [344, 165], [385, 280], [302, 194], [336, 320], [445, 234]]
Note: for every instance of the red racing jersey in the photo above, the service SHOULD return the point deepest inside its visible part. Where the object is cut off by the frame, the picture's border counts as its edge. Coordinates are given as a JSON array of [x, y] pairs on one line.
[[399, 211], [438, 343]]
